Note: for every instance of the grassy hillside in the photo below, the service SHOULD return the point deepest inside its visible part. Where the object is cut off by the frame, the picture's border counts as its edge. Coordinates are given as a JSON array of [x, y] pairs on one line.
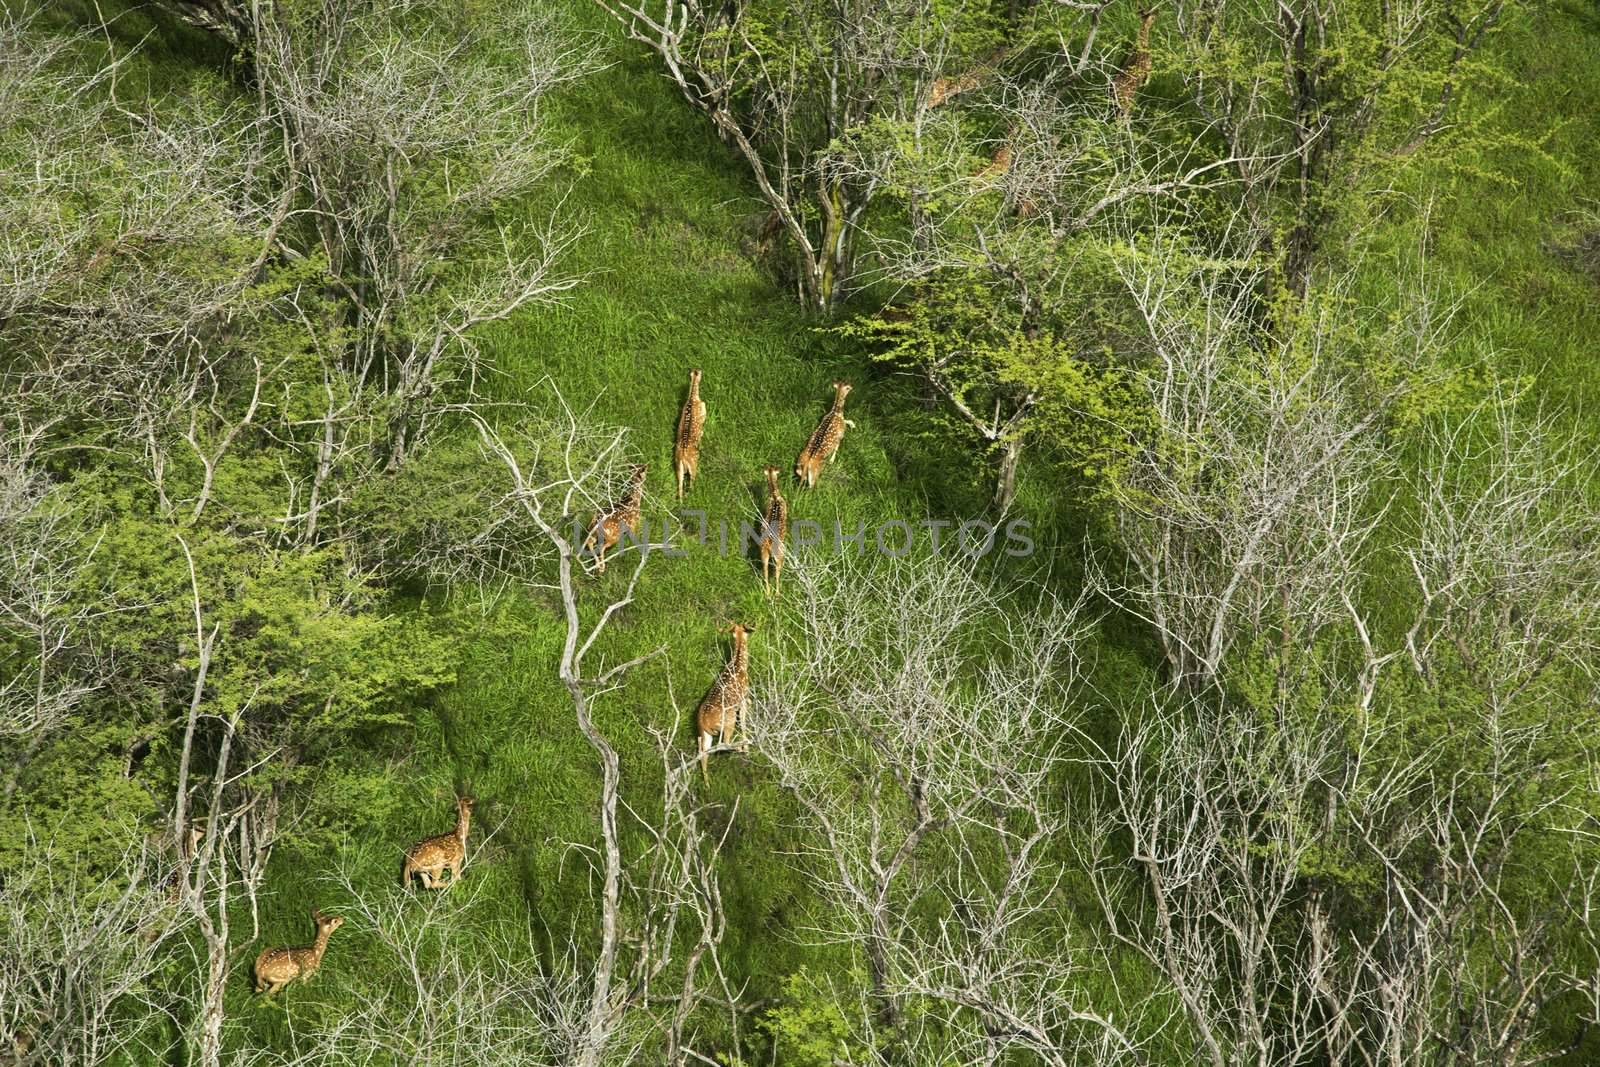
[[1513, 232], [667, 289]]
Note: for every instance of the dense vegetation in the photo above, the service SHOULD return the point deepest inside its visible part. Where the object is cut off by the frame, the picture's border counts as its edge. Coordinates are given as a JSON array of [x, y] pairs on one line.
[[327, 326]]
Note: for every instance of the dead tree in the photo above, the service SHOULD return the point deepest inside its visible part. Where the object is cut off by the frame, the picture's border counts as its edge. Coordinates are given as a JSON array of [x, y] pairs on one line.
[[76, 966], [561, 469], [921, 765]]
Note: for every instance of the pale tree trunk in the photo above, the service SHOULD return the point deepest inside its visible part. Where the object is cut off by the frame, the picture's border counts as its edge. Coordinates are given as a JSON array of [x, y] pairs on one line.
[[1005, 487]]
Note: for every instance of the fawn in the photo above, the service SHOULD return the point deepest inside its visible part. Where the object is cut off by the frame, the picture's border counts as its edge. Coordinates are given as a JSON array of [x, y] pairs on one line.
[[730, 694], [429, 858], [824, 440], [623, 515], [691, 420], [277, 967], [774, 528]]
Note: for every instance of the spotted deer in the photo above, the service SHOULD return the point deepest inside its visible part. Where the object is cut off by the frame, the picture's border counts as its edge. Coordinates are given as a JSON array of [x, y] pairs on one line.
[[824, 440], [429, 858], [1135, 69], [187, 849], [999, 164], [945, 89], [623, 515], [730, 694], [774, 528], [277, 967], [25, 1036], [691, 420]]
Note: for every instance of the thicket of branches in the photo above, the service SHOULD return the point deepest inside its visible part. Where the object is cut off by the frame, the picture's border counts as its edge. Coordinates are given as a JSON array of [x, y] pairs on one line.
[[1343, 813]]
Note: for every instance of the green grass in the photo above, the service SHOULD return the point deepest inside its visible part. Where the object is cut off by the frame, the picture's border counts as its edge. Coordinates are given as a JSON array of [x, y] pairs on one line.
[[666, 290], [664, 208]]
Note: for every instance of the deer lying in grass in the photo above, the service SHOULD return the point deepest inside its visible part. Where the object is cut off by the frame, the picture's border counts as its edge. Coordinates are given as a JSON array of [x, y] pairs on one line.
[[429, 858], [824, 440], [719, 711], [277, 967]]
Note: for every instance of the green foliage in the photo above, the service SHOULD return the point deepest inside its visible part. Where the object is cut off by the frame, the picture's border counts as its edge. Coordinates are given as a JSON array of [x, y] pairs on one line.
[[960, 331], [810, 1028], [388, 704]]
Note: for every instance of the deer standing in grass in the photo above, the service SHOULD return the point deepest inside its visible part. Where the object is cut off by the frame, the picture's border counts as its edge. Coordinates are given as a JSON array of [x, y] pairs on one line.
[[277, 967], [429, 858], [774, 528], [719, 712], [623, 515], [691, 421], [1136, 69], [824, 440]]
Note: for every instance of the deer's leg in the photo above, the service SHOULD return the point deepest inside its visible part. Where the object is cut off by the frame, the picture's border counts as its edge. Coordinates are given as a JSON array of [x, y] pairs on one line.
[[705, 744]]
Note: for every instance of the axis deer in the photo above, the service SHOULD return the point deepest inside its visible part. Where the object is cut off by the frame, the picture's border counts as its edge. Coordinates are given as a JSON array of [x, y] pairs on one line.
[[429, 858], [26, 1036], [691, 420], [944, 89], [730, 693], [623, 515], [774, 528], [999, 164], [277, 967], [1135, 69], [824, 440]]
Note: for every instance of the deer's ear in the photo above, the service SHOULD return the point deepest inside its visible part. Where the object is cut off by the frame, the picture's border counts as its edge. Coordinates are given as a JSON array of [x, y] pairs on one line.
[[750, 628]]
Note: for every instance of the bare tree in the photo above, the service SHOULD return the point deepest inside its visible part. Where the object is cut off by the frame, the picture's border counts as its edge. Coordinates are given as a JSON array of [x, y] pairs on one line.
[[70, 969], [1244, 511], [400, 151], [793, 90], [44, 620], [352, 208], [1503, 554], [238, 831], [1323, 893], [919, 720], [659, 917], [450, 978]]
